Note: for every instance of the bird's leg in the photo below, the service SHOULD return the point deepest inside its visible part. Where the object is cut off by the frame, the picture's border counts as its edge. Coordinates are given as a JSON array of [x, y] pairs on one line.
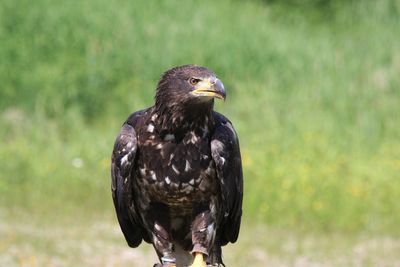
[[157, 220], [198, 260], [163, 245], [203, 234], [165, 264]]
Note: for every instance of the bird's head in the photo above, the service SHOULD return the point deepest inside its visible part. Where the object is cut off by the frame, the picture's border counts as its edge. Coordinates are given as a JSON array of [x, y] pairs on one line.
[[189, 84]]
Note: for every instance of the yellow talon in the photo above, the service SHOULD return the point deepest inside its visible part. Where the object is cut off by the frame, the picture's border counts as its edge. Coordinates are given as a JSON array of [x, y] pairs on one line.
[[198, 260]]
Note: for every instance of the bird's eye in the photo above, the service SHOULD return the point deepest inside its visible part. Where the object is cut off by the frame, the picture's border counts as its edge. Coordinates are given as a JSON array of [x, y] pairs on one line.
[[194, 81]]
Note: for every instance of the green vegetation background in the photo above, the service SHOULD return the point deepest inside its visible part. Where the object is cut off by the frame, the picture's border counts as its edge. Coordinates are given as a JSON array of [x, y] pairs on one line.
[[313, 91]]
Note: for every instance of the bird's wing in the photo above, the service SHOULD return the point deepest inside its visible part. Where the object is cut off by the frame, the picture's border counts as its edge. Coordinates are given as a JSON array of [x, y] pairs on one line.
[[122, 162], [226, 155]]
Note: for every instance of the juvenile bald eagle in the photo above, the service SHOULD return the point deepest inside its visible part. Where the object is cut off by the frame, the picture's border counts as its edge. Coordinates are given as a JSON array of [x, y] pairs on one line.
[[176, 172]]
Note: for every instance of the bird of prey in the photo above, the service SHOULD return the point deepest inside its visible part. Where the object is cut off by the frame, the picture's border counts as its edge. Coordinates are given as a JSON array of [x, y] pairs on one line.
[[176, 172]]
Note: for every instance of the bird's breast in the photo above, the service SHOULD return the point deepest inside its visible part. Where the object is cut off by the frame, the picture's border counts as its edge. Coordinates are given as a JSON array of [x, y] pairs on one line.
[[176, 173]]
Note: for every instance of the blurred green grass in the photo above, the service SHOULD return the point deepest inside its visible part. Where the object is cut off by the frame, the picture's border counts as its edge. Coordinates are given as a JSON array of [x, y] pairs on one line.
[[315, 99], [29, 244]]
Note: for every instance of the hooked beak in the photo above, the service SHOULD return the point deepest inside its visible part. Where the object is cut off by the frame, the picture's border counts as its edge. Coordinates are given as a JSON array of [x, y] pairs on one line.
[[211, 87]]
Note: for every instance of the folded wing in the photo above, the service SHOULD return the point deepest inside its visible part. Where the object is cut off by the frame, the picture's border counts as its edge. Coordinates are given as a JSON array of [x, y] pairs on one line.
[[122, 163], [226, 154]]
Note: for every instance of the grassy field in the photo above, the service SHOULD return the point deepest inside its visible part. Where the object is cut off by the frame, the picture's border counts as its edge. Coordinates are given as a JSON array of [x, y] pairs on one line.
[[313, 91], [99, 243]]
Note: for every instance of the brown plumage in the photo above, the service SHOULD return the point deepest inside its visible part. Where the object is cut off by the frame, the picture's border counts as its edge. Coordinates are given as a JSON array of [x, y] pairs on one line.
[[176, 171]]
